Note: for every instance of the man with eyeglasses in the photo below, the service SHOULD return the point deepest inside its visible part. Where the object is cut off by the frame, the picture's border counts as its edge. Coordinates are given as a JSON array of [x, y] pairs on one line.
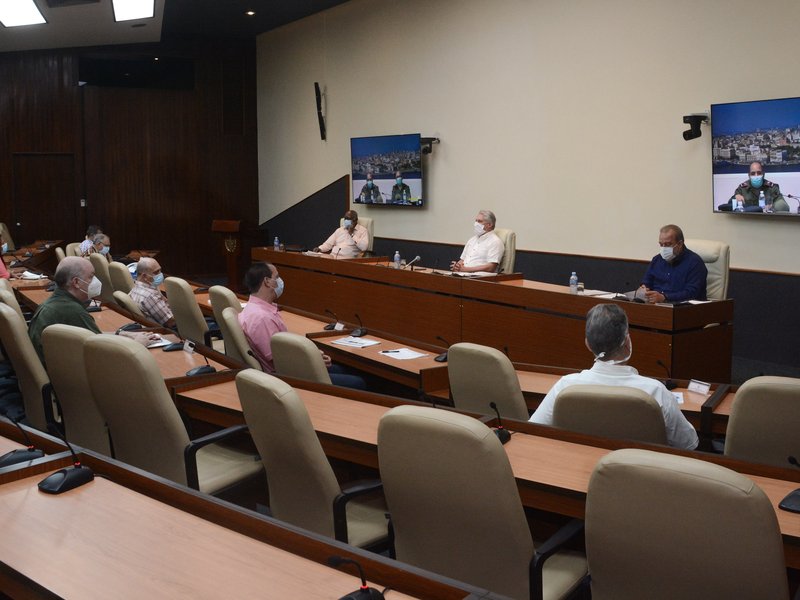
[[746, 196], [675, 274]]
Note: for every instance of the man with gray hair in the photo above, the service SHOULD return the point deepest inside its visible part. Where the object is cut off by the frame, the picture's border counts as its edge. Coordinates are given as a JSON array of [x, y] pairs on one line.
[[101, 244], [608, 339], [484, 250], [147, 295]]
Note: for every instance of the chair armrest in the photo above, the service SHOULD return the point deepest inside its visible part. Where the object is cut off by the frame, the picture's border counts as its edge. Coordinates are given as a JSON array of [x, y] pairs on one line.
[[352, 490], [544, 551], [190, 452], [212, 334]]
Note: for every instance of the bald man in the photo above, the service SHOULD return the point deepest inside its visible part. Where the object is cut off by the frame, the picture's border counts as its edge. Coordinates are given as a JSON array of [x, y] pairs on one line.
[[147, 295]]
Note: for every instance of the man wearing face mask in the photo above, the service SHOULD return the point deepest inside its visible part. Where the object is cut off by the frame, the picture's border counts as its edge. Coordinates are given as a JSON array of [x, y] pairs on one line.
[[370, 194], [401, 193], [608, 339], [484, 250], [747, 194], [147, 296], [101, 244], [675, 274], [76, 285], [349, 240]]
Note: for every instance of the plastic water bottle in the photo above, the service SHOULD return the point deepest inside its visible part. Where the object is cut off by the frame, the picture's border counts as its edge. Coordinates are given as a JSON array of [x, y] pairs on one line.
[[276, 244], [404, 196], [396, 259], [573, 283], [762, 202]]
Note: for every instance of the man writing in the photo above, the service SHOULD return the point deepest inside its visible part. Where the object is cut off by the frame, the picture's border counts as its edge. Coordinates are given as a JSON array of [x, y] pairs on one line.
[[675, 274], [484, 250], [349, 240], [608, 339], [147, 296]]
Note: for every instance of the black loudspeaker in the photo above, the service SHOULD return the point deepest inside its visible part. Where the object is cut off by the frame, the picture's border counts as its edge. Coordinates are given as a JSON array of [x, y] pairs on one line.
[[321, 118]]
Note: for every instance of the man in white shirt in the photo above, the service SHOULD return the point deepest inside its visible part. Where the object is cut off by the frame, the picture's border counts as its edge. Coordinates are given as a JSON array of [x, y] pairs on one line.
[[347, 241], [608, 339], [484, 250]]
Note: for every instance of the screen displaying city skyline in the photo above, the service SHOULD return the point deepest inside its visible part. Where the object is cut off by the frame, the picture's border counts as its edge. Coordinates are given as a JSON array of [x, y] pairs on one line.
[[387, 170]]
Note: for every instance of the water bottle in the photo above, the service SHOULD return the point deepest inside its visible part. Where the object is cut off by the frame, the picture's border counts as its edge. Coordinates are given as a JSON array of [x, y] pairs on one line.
[[573, 283], [396, 259], [762, 202], [276, 244], [404, 196]]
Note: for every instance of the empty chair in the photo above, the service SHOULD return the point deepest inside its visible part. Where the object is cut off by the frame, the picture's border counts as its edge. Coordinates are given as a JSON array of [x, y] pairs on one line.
[[764, 425], [480, 375], [121, 278], [302, 487], [222, 298], [610, 411], [188, 317], [456, 510], [126, 302], [60, 255], [297, 356], [647, 511], [236, 345], [5, 285], [73, 249], [100, 264], [716, 256], [82, 421], [8, 298], [147, 430], [509, 239]]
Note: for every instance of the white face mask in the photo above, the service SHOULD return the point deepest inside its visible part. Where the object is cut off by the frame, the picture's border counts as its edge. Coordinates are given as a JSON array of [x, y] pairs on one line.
[[478, 227], [94, 288], [619, 361], [279, 287], [667, 253], [5, 247]]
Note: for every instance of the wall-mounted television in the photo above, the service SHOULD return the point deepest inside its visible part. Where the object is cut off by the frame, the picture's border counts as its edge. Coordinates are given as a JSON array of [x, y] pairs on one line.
[[763, 131], [387, 170]]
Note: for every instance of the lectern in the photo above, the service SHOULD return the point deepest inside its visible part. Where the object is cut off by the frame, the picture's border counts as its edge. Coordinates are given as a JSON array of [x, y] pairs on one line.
[[231, 248]]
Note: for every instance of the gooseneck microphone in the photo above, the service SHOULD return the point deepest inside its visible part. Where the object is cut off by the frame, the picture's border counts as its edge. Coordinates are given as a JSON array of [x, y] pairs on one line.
[[416, 259], [443, 356], [67, 478], [331, 326], [669, 384], [364, 592], [20, 455], [337, 253], [501, 432], [360, 330]]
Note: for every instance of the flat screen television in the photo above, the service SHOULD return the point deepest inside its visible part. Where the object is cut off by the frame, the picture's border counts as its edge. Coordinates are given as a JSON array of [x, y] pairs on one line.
[[767, 131], [393, 164]]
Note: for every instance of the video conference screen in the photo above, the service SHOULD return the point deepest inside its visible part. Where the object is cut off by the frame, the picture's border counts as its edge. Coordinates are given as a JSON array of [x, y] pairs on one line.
[[387, 170], [765, 132]]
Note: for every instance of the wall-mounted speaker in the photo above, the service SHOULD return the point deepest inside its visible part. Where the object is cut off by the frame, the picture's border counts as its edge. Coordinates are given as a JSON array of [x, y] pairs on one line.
[[320, 116]]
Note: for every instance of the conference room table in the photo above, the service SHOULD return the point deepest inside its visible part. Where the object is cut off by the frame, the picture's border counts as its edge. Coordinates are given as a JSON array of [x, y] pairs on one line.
[[534, 322], [38, 256]]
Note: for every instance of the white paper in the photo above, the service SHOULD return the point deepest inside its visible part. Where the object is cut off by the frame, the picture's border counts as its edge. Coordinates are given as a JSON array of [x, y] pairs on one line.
[[699, 301], [474, 274], [699, 387], [402, 353], [678, 397], [355, 342], [598, 293], [29, 275], [158, 343]]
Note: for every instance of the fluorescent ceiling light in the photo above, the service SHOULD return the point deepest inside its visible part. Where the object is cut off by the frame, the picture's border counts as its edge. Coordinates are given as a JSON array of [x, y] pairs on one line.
[[14, 13], [128, 10]]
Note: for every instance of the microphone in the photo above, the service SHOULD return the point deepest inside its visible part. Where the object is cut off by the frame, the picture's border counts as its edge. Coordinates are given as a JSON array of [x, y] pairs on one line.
[[337, 253], [331, 326], [360, 330], [501, 432], [67, 478], [669, 384], [793, 461], [798, 203], [443, 356], [364, 592], [505, 351], [412, 262], [202, 369], [20, 455]]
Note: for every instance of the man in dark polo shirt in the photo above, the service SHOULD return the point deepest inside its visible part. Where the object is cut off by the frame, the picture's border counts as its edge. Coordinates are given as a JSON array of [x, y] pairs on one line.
[[676, 274]]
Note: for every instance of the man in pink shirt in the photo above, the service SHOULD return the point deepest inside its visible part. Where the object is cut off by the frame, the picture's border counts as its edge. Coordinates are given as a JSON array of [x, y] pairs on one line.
[[260, 319], [347, 241]]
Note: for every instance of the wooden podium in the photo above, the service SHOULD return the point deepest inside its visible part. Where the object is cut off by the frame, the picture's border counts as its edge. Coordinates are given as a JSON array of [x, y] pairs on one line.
[[231, 248]]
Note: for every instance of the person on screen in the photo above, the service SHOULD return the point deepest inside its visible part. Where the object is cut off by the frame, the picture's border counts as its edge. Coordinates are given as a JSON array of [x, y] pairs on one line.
[[608, 339], [370, 194], [484, 250], [146, 294], [401, 193], [676, 273], [748, 192], [349, 240]]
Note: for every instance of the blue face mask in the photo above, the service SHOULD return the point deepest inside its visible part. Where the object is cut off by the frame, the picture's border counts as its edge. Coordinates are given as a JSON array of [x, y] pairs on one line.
[[105, 250], [756, 181], [279, 286], [369, 183], [158, 280], [348, 223], [5, 247], [399, 180]]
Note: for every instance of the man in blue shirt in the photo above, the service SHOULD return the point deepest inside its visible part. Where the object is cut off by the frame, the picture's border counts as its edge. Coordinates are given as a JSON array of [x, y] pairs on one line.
[[675, 274]]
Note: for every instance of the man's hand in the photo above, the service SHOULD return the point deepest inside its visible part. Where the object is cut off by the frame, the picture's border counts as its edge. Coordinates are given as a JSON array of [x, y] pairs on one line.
[[654, 297], [457, 265], [326, 359]]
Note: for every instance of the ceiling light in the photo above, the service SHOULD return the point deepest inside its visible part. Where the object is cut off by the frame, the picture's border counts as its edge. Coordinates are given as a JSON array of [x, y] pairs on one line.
[[127, 10], [251, 13], [14, 13]]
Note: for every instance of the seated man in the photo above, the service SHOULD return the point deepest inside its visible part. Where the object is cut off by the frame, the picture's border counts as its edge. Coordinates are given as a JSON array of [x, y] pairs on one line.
[[146, 294], [370, 194], [260, 320], [608, 339], [675, 274], [101, 244], [746, 196], [401, 193], [484, 250], [349, 240], [91, 231]]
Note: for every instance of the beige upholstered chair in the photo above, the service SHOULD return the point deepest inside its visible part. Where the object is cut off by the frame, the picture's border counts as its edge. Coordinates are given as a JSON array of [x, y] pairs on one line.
[[7, 297], [121, 278], [764, 425], [645, 514], [297, 356], [60, 255], [100, 264], [302, 487], [456, 510], [63, 353], [610, 411], [188, 317], [509, 239], [221, 298], [73, 249], [126, 302], [33, 381], [5, 285], [480, 375], [145, 425], [236, 345], [716, 256], [366, 222], [7, 236]]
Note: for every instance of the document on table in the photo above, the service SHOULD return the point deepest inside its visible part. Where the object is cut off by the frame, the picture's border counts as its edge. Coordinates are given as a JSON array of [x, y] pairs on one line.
[[355, 342], [29, 275], [402, 354]]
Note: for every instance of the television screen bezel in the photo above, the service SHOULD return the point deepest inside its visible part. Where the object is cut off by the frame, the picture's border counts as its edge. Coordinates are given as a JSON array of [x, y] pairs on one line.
[[354, 193]]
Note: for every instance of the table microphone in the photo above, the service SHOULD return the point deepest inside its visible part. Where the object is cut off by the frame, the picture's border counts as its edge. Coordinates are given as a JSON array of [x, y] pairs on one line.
[[669, 384], [331, 326], [443, 356], [792, 501], [360, 330], [412, 262], [501, 432], [20, 455], [364, 592], [337, 253], [67, 478]]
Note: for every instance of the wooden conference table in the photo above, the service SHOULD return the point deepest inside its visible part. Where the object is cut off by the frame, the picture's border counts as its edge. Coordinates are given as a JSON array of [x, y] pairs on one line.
[[534, 322], [38, 256]]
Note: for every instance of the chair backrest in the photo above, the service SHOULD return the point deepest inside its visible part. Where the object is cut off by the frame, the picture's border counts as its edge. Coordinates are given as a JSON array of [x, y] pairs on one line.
[[297, 356], [126, 302], [236, 345], [610, 411], [222, 298], [129, 390], [7, 297], [188, 316], [60, 255], [73, 249], [646, 510], [121, 278], [302, 485], [5, 285], [480, 375], [100, 264], [63, 352], [32, 377], [717, 257], [366, 222], [509, 239], [479, 534], [764, 425], [7, 236]]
